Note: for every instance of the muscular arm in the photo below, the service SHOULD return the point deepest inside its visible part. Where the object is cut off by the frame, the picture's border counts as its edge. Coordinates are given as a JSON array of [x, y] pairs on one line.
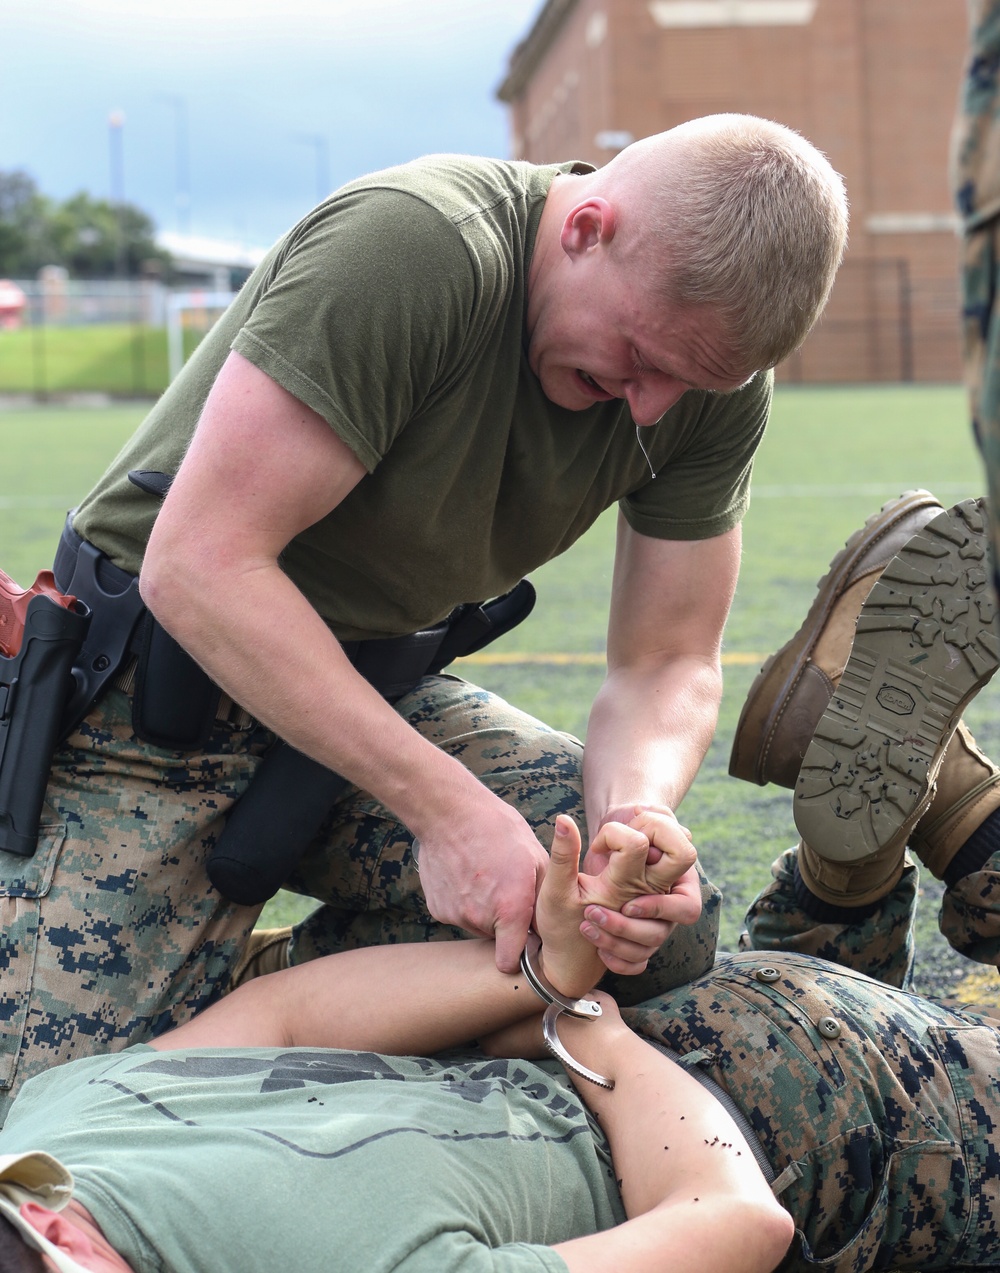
[[654, 716], [260, 469]]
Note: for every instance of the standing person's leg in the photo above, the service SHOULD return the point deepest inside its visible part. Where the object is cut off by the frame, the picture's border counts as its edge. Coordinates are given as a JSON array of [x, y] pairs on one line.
[[876, 939], [112, 931], [362, 866], [976, 187], [927, 640]]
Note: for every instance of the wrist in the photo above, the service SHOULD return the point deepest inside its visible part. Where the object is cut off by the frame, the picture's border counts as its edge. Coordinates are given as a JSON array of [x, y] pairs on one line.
[[559, 1007], [625, 811], [562, 991], [438, 793], [599, 1045]]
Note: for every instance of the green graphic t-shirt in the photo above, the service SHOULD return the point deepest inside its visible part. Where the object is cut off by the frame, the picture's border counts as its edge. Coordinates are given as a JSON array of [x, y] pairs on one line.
[[319, 1159]]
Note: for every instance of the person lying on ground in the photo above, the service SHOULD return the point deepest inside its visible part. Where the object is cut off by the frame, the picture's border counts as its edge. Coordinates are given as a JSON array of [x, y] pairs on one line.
[[291, 1123]]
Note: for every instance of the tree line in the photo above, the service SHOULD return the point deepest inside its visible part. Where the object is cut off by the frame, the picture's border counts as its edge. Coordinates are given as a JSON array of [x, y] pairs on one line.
[[91, 238]]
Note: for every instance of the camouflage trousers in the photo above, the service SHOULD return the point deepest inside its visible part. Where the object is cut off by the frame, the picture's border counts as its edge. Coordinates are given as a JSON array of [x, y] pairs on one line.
[[976, 184], [880, 943], [112, 932], [876, 1109]]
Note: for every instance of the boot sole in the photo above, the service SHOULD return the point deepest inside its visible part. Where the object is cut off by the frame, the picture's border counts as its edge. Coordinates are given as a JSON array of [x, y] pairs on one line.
[[927, 641], [774, 685]]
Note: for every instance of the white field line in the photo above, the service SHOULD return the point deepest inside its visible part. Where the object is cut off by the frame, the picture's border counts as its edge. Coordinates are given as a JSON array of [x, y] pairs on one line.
[[881, 492]]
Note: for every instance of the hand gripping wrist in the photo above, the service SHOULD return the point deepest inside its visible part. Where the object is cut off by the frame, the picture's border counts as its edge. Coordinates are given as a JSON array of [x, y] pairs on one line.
[[588, 1009]]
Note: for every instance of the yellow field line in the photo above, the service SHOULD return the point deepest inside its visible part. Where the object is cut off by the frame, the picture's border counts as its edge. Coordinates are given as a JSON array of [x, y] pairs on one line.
[[730, 658]]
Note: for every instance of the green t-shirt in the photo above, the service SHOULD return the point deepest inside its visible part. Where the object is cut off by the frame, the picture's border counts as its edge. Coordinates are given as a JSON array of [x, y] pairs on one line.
[[396, 310], [318, 1159]]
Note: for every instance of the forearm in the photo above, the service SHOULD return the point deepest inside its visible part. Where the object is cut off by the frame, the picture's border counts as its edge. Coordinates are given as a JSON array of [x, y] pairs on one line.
[[259, 638], [400, 1000], [649, 730], [425, 997]]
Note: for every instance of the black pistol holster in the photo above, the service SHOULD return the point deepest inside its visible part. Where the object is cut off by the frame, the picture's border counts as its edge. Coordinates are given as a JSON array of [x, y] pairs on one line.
[[35, 685], [174, 705]]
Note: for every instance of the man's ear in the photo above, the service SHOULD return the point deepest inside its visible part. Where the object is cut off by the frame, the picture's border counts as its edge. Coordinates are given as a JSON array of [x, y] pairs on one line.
[[59, 1230], [589, 224]]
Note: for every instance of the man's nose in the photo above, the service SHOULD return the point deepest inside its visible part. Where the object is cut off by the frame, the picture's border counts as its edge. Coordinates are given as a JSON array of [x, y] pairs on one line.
[[649, 402]]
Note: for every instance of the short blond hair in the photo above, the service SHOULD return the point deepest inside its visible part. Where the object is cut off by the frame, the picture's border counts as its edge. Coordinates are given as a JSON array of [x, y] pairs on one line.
[[740, 214]]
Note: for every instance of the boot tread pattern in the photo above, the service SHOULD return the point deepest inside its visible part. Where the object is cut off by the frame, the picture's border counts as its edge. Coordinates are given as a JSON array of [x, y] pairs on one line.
[[927, 640]]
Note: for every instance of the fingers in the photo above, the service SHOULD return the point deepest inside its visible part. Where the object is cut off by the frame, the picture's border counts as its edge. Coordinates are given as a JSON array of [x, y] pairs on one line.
[[625, 945], [564, 856], [674, 842], [682, 905], [510, 938], [627, 941], [559, 883]]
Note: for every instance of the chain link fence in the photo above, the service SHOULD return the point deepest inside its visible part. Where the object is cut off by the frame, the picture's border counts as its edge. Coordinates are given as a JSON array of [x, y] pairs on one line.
[[124, 339], [128, 339]]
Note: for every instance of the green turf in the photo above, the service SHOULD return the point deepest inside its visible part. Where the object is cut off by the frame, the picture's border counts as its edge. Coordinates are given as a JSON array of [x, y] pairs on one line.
[[830, 458], [123, 360]]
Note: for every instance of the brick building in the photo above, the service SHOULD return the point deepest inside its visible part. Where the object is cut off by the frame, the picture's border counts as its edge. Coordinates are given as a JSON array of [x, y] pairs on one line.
[[873, 83]]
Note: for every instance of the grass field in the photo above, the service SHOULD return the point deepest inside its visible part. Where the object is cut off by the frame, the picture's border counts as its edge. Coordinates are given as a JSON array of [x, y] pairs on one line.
[[831, 457], [124, 360]]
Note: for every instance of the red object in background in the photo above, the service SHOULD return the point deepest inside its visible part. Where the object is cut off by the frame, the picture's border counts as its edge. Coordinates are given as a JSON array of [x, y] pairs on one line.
[[12, 304]]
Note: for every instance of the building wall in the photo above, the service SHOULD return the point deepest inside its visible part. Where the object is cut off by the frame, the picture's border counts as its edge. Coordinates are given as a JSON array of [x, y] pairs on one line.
[[873, 83]]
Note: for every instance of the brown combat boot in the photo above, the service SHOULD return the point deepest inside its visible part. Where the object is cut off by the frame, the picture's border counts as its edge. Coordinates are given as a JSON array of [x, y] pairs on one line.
[[266, 951], [968, 791], [793, 687], [926, 642]]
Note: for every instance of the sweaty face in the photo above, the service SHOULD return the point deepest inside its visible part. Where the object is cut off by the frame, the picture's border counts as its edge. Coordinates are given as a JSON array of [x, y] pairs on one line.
[[598, 334]]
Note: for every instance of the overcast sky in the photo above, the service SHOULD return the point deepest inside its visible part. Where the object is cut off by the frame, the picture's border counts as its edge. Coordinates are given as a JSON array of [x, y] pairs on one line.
[[246, 106]]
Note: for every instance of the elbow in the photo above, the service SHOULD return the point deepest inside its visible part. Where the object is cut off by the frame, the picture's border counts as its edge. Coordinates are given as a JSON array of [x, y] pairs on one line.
[[160, 587], [774, 1230], [170, 585]]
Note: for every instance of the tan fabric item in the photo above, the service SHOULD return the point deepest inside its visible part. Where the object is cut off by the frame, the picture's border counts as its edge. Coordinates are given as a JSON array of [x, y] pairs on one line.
[[968, 791], [851, 883], [266, 951], [36, 1177]]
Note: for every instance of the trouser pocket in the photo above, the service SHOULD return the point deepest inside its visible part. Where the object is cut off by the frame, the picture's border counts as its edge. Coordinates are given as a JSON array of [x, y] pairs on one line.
[[23, 884]]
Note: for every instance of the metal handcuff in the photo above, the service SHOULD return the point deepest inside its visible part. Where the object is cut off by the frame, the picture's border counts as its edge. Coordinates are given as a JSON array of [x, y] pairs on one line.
[[588, 1009]]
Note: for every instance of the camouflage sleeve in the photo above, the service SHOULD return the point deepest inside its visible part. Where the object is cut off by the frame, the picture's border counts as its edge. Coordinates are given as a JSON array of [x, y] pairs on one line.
[[879, 944], [975, 181], [970, 913]]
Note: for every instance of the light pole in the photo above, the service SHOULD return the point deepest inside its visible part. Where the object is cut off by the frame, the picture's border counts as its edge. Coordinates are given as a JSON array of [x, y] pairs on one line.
[[182, 187], [322, 148], [116, 156]]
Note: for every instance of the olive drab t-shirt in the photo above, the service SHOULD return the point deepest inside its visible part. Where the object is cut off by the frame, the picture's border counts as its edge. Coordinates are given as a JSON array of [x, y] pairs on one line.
[[396, 310], [350, 1162]]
